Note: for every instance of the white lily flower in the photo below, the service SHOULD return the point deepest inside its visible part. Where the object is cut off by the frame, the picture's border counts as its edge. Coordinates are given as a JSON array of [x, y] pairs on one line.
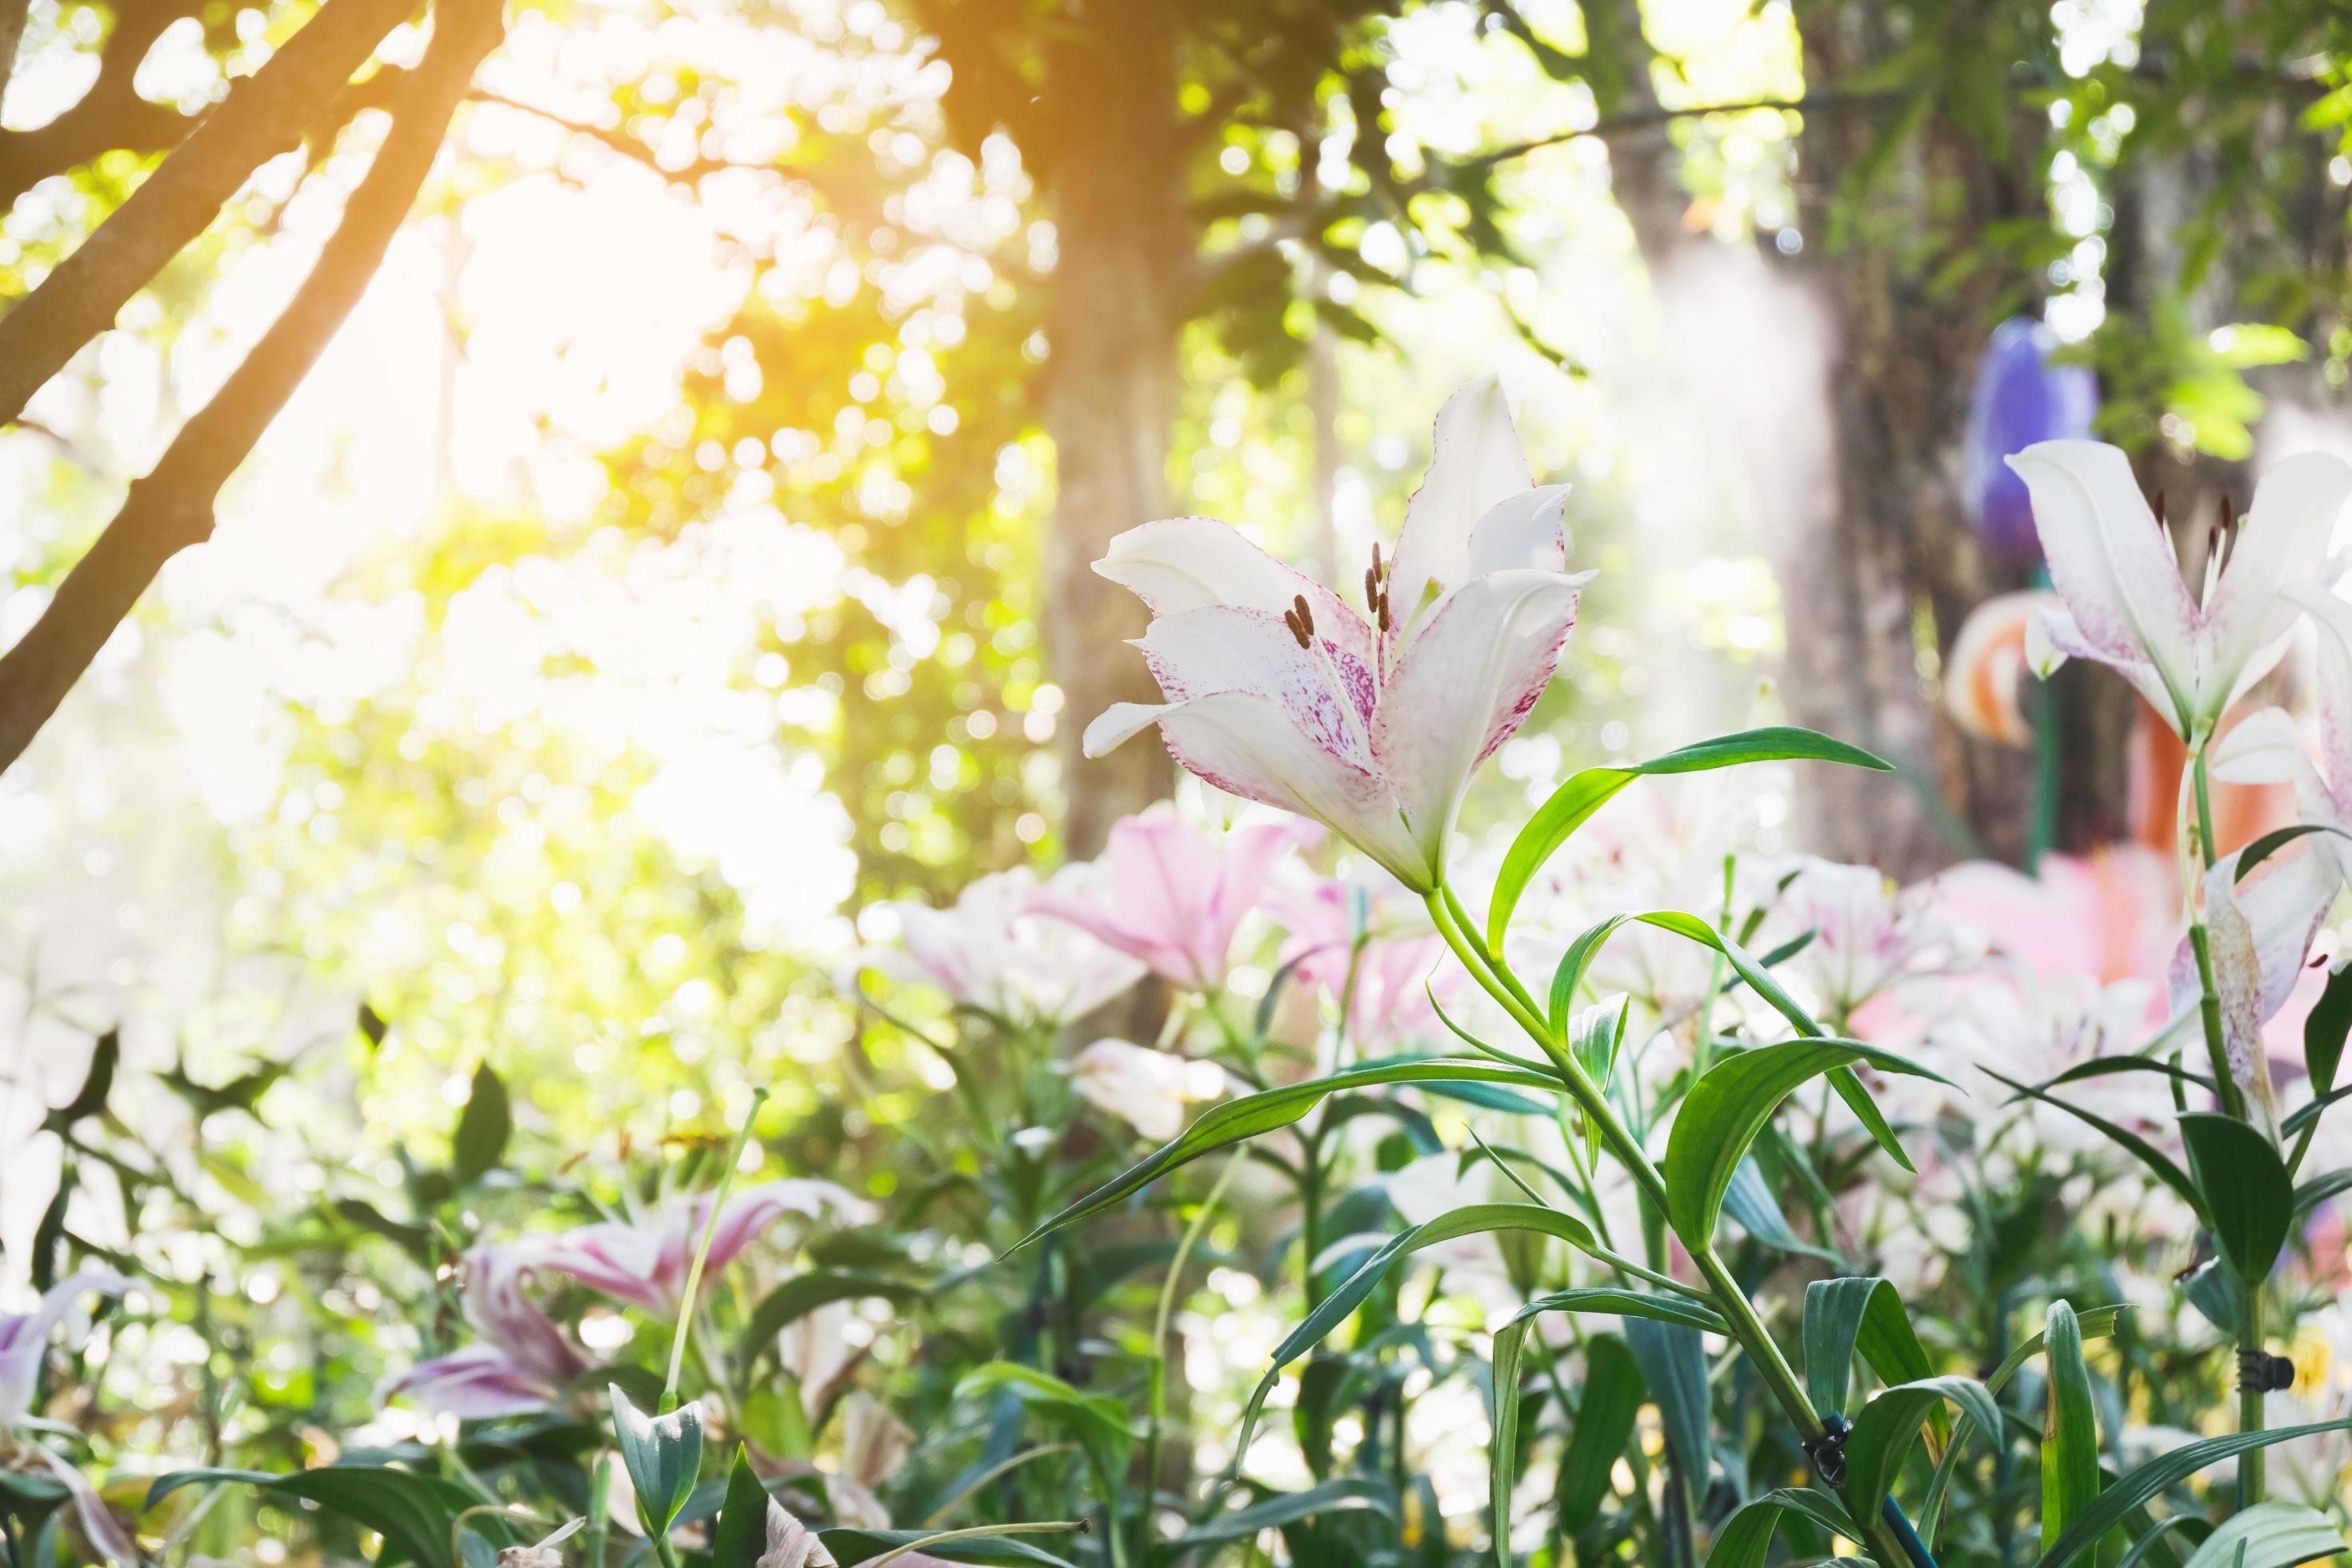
[[2267, 747], [1279, 692], [1147, 1090], [2126, 603]]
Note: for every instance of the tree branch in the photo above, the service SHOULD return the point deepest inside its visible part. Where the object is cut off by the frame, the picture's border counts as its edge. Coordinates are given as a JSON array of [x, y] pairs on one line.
[[264, 116], [111, 115], [12, 33], [172, 508], [843, 199]]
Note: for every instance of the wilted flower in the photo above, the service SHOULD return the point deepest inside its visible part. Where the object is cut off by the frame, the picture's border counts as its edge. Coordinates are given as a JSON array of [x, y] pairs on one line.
[[541, 1553], [1279, 692], [2259, 933], [24, 1342], [2020, 399], [1146, 1088], [1983, 677], [2112, 560], [1169, 893], [791, 1544], [991, 952], [644, 1263], [520, 1362]]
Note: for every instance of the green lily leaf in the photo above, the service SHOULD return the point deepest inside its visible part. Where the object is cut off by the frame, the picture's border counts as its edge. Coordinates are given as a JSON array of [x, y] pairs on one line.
[[664, 1454], [1574, 802]]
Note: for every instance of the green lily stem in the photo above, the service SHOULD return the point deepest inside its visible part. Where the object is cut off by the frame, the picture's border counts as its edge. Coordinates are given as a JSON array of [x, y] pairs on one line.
[[1726, 1296], [2251, 1414], [2209, 1007], [1158, 1396], [702, 1253]]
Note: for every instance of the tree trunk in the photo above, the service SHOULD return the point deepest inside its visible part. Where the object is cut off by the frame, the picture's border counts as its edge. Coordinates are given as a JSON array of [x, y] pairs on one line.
[[1110, 389], [1878, 578]]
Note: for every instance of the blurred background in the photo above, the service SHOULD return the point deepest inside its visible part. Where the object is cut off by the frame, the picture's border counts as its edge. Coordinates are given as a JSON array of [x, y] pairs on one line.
[[683, 547]]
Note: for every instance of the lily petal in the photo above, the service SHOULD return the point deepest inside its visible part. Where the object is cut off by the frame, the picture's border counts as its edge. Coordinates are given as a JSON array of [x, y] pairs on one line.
[[98, 1521], [2112, 563], [1191, 563], [2281, 544], [1463, 685], [790, 1544], [1475, 463], [499, 1305], [1525, 531], [25, 1339], [1328, 689], [2053, 637], [2264, 747], [1249, 745], [2331, 618], [473, 1383], [2259, 933]]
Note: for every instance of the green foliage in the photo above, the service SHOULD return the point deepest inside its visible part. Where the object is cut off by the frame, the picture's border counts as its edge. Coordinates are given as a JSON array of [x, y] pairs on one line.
[[1730, 1105], [1574, 803], [1846, 1316], [415, 1514], [484, 1127], [2248, 1194], [2070, 1438], [664, 1454], [742, 1537]]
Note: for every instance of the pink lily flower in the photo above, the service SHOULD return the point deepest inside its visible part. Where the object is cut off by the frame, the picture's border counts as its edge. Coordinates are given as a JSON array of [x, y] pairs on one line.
[[2126, 605], [2113, 915], [989, 951], [24, 1342], [645, 1262], [1371, 724], [1388, 1000], [520, 1362], [1169, 893], [24, 1337]]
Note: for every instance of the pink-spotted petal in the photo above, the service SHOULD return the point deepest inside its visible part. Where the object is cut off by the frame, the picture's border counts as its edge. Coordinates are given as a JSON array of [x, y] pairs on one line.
[[1463, 687], [1249, 745], [2112, 561], [2260, 933], [2331, 618], [1475, 464], [2051, 637], [1328, 689]]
